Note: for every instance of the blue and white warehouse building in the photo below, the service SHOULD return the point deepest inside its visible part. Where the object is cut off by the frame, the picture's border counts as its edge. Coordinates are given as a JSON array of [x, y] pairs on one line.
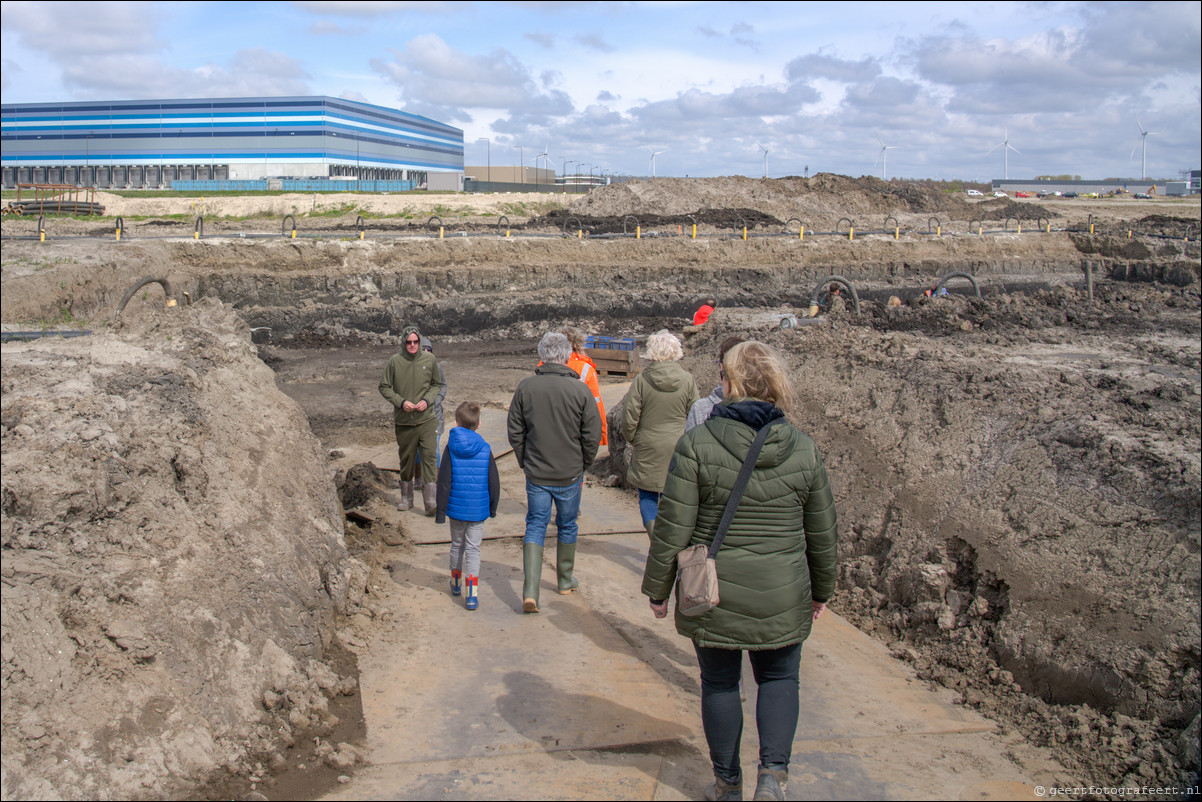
[[153, 143]]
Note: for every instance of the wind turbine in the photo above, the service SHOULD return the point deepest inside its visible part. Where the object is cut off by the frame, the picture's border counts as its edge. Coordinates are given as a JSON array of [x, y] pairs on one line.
[[1143, 142], [543, 155], [654, 153], [883, 157], [1006, 148], [761, 147]]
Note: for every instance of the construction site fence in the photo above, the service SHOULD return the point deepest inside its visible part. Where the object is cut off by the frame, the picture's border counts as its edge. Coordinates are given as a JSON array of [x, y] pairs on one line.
[[572, 228]]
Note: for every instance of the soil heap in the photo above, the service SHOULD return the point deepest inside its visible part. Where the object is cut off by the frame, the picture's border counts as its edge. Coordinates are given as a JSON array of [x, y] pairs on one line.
[[173, 559]]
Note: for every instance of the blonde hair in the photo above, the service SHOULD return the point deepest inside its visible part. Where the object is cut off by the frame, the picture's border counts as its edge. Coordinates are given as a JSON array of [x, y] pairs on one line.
[[664, 347], [576, 338], [755, 370]]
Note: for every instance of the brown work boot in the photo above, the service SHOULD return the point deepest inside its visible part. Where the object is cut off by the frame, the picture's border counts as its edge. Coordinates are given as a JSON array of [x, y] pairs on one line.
[[722, 791], [770, 783]]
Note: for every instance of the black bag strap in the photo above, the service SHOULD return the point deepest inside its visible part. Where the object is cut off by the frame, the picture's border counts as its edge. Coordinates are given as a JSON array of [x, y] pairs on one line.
[[736, 495]]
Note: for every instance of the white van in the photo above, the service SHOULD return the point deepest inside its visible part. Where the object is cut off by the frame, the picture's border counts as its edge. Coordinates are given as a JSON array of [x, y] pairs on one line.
[[973, 193]]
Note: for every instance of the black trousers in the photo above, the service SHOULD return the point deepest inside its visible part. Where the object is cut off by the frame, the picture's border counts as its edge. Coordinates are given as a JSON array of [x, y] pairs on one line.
[[776, 707]]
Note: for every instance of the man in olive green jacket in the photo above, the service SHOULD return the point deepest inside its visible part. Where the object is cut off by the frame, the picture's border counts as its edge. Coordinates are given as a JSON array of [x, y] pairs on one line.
[[555, 430], [411, 383]]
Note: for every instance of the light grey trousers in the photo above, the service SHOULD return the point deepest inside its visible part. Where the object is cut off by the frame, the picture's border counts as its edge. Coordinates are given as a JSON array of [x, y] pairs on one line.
[[465, 546]]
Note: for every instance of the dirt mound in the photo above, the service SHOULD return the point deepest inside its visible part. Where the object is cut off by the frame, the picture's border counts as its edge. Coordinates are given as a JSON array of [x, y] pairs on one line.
[[733, 219], [173, 559], [1005, 208], [819, 201], [1017, 482]]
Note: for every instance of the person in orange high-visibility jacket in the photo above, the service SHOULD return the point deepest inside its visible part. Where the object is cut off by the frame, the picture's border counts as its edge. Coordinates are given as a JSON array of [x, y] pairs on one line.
[[583, 364]]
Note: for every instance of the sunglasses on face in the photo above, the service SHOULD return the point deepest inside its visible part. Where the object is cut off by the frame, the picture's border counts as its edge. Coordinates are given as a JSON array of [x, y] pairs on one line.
[[412, 342]]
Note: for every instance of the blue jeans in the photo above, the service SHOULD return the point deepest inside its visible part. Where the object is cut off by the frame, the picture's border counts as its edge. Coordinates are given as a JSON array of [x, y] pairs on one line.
[[776, 705], [648, 505], [538, 511]]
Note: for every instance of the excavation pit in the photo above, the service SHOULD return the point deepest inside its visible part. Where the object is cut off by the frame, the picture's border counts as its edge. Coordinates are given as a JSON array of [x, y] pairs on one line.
[[1017, 476]]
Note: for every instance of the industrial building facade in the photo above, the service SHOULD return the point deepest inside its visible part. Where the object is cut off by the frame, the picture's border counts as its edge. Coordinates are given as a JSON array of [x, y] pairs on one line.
[[153, 143]]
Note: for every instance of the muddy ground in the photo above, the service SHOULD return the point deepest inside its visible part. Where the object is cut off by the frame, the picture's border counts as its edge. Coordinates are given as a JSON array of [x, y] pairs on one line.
[[1017, 475]]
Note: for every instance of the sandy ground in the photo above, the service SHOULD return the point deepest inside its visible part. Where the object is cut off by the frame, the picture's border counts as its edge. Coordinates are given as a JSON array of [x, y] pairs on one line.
[[1017, 475]]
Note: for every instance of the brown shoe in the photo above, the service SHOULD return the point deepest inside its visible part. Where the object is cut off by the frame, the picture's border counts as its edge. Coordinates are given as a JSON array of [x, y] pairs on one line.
[[722, 791], [770, 784]]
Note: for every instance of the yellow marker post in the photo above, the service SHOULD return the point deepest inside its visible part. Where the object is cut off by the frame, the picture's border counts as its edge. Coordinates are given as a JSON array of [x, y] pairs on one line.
[[41, 236], [938, 231], [580, 233], [440, 231], [360, 235], [694, 231], [897, 233], [118, 235], [638, 232], [802, 235], [294, 233], [744, 233], [1091, 228], [851, 234], [507, 233], [195, 235], [1020, 226]]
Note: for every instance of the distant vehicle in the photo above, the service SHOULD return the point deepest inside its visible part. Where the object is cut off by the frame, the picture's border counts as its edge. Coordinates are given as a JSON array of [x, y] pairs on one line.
[[1022, 194], [1069, 195], [1142, 196], [1089, 195], [1043, 193], [1000, 194], [974, 193]]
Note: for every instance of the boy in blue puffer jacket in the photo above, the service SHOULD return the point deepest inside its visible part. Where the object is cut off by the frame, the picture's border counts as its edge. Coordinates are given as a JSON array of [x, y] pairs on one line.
[[469, 488]]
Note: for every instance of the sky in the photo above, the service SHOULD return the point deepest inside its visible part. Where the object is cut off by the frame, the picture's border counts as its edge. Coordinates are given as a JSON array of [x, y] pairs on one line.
[[713, 88]]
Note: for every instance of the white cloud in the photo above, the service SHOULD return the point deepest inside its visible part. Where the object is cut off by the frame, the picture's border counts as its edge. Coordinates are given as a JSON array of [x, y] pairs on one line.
[[66, 30], [375, 8], [431, 74], [540, 38], [327, 27]]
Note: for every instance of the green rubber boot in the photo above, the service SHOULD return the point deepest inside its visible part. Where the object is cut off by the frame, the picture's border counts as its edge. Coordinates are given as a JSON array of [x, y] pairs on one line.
[[650, 527], [532, 562], [565, 561]]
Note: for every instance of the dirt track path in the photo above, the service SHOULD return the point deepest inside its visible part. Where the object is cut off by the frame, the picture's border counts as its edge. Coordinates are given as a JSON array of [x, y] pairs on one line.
[[593, 698]]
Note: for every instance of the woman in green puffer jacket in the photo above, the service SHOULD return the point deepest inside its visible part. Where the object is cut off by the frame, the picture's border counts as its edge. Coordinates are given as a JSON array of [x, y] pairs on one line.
[[776, 567], [653, 416]]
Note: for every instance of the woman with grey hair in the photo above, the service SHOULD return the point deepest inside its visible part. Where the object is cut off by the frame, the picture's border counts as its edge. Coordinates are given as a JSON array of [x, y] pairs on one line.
[[653, 419]]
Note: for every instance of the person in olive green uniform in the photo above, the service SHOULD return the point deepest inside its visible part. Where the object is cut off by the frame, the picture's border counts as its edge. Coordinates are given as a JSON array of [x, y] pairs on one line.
[[653, 418], [776, 567], [411, 383]]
